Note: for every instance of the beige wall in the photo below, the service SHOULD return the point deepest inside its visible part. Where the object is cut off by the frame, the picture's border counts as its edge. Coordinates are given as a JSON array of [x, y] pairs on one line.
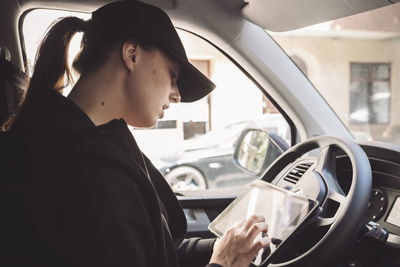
[[328, 65]]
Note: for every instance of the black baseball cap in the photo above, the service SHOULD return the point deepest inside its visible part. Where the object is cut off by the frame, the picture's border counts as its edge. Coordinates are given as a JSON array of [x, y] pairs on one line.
[[150, 24]]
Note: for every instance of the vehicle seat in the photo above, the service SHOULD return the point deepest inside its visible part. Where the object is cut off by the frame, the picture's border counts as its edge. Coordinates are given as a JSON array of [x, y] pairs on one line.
[[13, 83]]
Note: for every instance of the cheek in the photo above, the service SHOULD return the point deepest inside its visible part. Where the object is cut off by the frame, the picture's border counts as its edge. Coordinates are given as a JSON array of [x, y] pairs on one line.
[[153, 77], [160, 80]]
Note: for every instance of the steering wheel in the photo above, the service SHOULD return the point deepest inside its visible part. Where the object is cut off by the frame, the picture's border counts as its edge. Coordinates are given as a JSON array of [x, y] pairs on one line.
[[320, 182]]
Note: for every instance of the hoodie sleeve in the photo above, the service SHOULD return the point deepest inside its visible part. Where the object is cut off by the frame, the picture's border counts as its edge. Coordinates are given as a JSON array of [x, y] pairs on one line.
[[195, 252]]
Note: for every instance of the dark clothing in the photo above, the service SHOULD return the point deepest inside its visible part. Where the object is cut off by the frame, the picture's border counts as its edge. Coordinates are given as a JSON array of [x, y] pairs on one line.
[[77, 194]]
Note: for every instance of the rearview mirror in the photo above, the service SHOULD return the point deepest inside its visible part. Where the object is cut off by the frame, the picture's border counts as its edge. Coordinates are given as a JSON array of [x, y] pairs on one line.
[[255, 150]]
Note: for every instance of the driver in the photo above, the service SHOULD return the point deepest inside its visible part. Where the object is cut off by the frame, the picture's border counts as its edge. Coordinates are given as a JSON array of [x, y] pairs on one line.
[[82, 193]]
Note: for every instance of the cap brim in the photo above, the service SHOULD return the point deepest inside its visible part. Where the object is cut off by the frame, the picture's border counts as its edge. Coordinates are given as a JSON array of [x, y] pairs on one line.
[[192, 84]]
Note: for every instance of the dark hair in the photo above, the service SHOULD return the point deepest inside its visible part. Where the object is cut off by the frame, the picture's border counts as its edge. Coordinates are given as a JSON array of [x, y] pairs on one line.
[[51, 63]]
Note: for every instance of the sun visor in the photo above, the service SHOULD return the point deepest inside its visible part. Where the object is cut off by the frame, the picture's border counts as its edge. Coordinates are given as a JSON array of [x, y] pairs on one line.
[[286, 15]]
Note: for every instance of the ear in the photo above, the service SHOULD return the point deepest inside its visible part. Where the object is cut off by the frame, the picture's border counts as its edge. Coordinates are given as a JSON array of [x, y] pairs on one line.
[[128, 54]]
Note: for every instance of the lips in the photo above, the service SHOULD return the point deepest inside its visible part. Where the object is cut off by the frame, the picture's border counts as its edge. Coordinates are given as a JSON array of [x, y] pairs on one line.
[[164, 107]]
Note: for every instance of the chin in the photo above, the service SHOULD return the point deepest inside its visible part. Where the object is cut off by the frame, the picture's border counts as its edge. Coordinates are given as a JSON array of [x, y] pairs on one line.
[[143, 124], [150, 124]]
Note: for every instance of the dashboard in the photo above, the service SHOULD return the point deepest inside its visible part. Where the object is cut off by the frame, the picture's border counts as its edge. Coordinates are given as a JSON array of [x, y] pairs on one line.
[[384, 202]]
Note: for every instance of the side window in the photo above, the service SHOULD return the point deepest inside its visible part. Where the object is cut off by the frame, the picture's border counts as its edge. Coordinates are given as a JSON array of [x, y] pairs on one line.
[[201, 153], [193, 144]]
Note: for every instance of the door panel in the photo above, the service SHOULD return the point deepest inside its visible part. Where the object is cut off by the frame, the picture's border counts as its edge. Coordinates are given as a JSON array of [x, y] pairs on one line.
[[203, 206]]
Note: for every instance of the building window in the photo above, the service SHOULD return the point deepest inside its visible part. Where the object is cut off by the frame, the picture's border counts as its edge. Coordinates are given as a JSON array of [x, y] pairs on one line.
[[169, 124], [369, 93], [193, 129], [166, 124]]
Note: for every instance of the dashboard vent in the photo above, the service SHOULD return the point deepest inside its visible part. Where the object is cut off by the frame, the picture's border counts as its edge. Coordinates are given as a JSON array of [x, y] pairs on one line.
[[295, 174]]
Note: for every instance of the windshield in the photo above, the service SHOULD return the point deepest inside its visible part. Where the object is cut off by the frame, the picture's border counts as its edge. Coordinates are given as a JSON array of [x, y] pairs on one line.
[[354, 63]]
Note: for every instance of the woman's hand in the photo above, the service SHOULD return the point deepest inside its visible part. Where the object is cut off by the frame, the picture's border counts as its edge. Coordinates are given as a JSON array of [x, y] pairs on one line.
[[239, 246]]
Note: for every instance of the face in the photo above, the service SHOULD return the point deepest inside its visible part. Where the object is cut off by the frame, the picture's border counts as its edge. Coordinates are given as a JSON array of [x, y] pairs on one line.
[[150, 88]]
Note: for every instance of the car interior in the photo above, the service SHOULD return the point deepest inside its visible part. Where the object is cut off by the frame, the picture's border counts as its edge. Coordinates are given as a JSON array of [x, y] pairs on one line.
[[353, 174]]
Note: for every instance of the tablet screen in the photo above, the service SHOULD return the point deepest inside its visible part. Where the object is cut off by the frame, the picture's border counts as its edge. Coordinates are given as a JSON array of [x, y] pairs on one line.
[[283, 212]]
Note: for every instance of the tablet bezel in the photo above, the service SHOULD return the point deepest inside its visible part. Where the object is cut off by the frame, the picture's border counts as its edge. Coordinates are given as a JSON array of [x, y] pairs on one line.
[[313, 207]]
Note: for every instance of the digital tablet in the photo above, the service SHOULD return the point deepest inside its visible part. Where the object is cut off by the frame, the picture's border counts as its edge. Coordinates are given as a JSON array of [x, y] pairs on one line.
[[284, 213]]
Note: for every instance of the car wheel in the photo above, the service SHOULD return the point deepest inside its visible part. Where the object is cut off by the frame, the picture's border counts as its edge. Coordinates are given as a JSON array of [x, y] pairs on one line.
[[186, 178]]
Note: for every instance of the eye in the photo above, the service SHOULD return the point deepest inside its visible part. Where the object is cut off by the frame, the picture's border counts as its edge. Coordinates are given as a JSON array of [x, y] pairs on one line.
[[174, 76]]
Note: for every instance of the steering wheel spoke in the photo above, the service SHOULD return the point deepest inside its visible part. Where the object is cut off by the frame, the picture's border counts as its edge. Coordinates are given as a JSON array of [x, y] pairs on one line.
[[331, 208], [326, 167], [320, 222], [326, 161], [337, 197]]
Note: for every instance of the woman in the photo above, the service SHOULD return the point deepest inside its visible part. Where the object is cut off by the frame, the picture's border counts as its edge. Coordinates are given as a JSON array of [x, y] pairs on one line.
[[86, 195]]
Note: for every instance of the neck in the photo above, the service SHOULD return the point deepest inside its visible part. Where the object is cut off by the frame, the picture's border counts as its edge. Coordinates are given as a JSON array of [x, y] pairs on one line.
[[97, 94]]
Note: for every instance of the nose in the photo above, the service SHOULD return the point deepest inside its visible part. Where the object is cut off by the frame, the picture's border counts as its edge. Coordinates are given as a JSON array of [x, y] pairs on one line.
[[175, 96]]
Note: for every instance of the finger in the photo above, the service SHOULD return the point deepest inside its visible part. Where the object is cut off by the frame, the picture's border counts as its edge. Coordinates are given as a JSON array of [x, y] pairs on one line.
[[255, 230], [237, 224], [252, 220], [235, 228], [262, 243], [233, 231]]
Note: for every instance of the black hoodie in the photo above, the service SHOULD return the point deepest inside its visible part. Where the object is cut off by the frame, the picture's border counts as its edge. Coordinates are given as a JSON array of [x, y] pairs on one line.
[[76, 194]]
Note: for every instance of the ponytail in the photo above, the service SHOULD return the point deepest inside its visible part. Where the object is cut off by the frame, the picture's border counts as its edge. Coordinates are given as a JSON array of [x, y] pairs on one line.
[[51, 63], [52, 58]]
